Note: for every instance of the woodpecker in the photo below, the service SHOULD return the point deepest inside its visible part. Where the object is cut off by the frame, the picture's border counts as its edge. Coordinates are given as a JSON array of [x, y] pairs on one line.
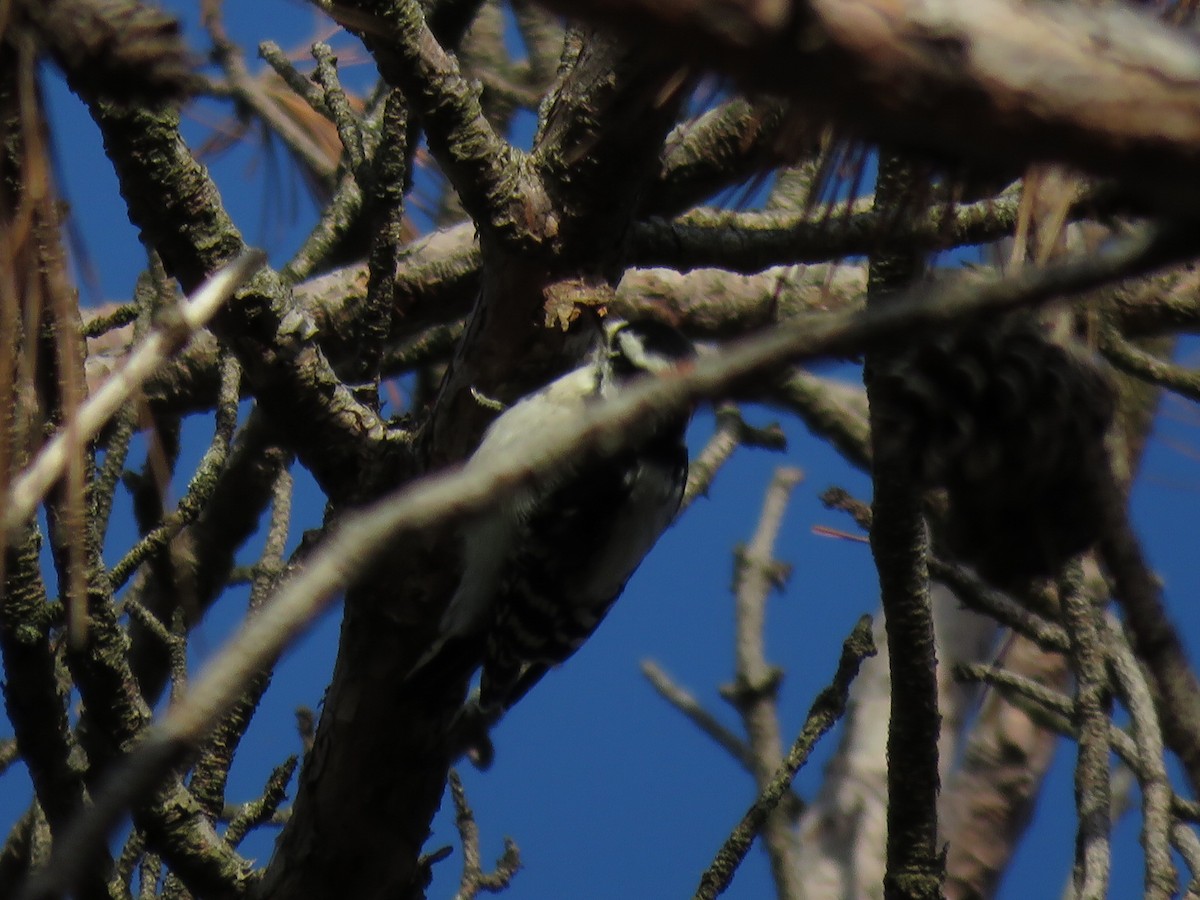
[[542, 569]]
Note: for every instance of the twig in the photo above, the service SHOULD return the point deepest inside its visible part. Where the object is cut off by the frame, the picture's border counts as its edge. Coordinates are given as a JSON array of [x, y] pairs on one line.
[[178, 652], [9, 753], [691, 708], [1055, 710], [477, 161], [348, 126], [976, 593], [148, 873], [123, 315], [277, 819], [428, 345], [108, 474], [35, 698], [116, 717], [1131, 684], [753, 692], [1185, 840], [262, 810], [474, 879], [1137, 362], [272, 54], [148, 620], [337, 218], [16, 851], [732, 432], [163, 341], [719, 148], [127, 862], [827, 708], [994, 789], [839, 498], [1155, 639], [252, 92], [832, 410], [390, 170], [202, 484], [270, 565], [211, 771], [752, 241], [1092, 789]]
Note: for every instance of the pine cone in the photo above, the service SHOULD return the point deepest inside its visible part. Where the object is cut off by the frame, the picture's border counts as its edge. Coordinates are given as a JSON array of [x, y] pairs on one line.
[[1012, 424]]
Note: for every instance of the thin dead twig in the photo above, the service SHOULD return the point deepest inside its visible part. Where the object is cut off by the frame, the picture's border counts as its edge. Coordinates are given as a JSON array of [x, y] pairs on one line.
[[1093, 855], [753, 692], [828, 707], [171, 334], [474, 879]]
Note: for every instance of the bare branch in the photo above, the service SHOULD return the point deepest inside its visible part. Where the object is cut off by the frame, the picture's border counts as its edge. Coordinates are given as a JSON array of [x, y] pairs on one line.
[[35, 701], [172, 199], [995, 80], [831, 409], [755, 684], [474, 879], [900, 546], [443, 497], [979, 595], [732, 432], [348, 124], [1185, 840], [486, 171], [824, 713], [172, 334], [315, 155], [751, 241], [1093, 801], [691, 708], [991, 794], [1131, 685], [1154, 637], [1055, 710], [202, 484], [1137, 362], [257, 812]]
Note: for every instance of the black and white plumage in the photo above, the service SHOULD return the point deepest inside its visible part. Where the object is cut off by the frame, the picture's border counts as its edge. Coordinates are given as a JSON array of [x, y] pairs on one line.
[[541, 570]]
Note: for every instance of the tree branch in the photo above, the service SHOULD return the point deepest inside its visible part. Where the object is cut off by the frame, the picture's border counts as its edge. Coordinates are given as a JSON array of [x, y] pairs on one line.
[[753, 692], [490, 176], [828, 707], [172, 200], [995, 80], [441, 499], [900, 545], [1093, 800]]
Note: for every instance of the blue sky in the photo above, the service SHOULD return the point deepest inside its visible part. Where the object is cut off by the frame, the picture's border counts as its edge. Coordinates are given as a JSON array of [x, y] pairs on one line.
[[607, 791]]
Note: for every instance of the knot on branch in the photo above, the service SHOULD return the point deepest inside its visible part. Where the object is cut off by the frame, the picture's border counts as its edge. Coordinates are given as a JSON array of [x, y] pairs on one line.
[[776, 573], [744, 691]]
